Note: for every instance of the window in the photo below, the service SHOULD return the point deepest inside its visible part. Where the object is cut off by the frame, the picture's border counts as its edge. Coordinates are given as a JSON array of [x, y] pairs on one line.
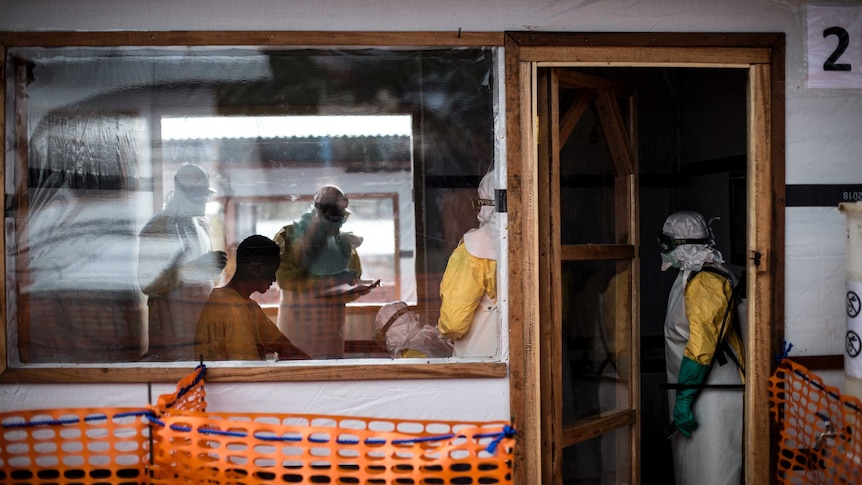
[[261, 202], [104, 134]]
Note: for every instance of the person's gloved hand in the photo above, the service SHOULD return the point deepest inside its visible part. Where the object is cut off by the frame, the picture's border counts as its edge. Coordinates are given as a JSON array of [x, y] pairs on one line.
[[690, 373], [214, 261], [218, 259], [210, 264]]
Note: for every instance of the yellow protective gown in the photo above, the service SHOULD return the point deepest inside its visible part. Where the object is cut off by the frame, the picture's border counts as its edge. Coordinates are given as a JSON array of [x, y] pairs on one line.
[[468, 314], [713, 454], [315, 325]]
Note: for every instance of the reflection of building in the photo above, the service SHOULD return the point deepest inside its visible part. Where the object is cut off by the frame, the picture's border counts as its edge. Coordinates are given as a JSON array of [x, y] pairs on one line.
[[78, 247], [413, 164], [265, 182]]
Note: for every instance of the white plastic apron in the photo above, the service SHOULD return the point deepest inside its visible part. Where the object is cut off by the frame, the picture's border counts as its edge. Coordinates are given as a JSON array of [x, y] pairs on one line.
[[713, 454], [482, 340]]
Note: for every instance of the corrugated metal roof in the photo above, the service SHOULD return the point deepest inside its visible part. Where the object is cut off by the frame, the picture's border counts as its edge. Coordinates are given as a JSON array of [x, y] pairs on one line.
[[280, 127]]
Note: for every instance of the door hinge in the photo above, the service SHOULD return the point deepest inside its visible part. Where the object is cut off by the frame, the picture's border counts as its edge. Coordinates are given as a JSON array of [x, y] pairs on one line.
[[755, 256]]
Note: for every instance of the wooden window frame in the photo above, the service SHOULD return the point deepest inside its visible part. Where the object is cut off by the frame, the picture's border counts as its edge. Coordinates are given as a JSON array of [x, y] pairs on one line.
[[763, 55], [294, 372], [521, 49]]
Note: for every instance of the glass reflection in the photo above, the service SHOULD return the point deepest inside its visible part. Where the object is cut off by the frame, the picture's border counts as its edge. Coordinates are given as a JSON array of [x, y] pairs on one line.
[[102, 225], [177, 266], [596, 354], [587, 180], [603, 460]]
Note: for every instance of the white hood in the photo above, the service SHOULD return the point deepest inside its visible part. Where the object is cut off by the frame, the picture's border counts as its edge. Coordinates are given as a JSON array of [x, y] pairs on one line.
[[482, 242]]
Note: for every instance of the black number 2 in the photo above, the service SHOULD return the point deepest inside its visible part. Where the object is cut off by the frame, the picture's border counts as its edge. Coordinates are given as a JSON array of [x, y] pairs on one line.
[[843, 42]]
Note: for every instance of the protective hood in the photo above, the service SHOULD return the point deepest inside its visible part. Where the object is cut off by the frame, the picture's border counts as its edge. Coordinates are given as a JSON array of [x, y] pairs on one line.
[[194, 181], [406, 332], [191, 191], [689, 257], [482, 242], [399, 329], [486, 192]]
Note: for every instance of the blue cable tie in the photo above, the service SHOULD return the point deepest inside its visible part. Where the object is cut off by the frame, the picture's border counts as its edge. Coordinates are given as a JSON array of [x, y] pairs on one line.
[[508, 432], [785, 351]]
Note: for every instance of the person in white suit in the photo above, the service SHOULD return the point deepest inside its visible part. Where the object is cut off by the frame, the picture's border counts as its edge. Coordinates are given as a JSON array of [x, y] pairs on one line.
[[707, 450]]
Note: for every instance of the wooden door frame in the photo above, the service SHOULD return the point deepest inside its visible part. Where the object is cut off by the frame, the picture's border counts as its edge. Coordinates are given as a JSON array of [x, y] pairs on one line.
[[620, 134], [762, 54]]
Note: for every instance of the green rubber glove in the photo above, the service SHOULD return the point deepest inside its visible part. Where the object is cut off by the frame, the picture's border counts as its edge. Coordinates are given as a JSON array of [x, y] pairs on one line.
[[690, 373]]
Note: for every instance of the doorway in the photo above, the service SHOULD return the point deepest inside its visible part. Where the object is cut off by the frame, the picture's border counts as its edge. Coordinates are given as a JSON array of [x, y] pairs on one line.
[[623, 134]]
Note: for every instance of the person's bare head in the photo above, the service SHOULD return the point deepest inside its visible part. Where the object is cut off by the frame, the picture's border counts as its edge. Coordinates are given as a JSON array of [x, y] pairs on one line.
[[257, 258]]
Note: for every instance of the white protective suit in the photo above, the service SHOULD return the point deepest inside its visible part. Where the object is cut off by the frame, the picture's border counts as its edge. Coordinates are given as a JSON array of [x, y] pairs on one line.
[[400, 331], [468, 314], [177, 267], [713, 453]]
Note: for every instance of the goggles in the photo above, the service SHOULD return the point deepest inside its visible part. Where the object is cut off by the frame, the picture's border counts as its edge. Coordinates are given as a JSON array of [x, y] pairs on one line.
[[332, 213], [479, 203], [667, 243]]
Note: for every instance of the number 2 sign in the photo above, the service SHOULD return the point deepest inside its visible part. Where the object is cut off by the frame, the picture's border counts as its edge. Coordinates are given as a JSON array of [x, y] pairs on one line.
[[834, 47]]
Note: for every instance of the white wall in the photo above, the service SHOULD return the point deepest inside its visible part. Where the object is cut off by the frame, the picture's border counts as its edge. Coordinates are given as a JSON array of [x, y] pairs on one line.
[[823, 146]]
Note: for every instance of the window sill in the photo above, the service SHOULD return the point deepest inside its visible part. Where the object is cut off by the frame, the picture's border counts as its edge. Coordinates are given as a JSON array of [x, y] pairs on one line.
[[285, 371]]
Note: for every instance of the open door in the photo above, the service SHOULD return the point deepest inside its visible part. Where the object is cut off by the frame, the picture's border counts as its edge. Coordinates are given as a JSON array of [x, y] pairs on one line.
[[588, 180], [574, 249]]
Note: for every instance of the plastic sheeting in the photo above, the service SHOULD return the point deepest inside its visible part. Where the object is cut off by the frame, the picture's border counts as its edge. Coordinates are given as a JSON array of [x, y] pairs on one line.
[[99, 159]]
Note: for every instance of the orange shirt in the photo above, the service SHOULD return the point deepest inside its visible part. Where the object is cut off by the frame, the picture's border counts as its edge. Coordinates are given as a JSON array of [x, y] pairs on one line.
[[232, 327]]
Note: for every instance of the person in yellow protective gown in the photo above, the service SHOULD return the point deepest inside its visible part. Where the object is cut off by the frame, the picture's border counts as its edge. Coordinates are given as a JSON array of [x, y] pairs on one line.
[[468, 313], [232, 326], [316, 256], [708, 447]]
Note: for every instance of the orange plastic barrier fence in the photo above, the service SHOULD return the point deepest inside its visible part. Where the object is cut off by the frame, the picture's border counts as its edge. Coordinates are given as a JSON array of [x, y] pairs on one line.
[[74, 446], [189, 396], [242, 448], [821, 430], [176, 441]]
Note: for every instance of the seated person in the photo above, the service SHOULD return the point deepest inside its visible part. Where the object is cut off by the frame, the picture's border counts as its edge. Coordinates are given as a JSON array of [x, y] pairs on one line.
[[232, 326]]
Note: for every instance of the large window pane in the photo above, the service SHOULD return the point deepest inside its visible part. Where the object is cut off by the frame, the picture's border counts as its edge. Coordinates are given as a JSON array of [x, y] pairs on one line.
[[595, 338], [587, 185], [603, 460], [103, 133]]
